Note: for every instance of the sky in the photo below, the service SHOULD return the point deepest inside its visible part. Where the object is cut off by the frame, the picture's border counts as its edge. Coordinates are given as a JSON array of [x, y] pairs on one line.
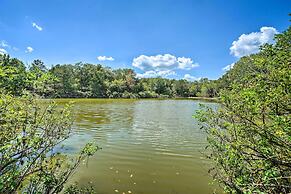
[[176, 39]]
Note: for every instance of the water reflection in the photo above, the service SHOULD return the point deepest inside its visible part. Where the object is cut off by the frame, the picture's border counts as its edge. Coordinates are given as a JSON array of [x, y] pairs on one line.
[[149, 146]]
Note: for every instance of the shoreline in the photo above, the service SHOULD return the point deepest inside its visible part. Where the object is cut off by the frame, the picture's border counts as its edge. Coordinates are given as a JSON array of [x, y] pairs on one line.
[[215, 99]]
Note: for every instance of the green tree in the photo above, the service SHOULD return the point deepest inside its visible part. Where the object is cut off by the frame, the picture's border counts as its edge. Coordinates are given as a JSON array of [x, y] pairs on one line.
[[13, 75], [250, 135], [181, 88], [66, 84], [194, 89], [30, 138], [38, 67], [40, 80], [162, 86]]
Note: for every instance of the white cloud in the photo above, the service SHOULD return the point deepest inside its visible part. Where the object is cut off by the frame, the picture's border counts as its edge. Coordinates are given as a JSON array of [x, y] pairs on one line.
[[104, 58], [189, 77], [2, 51], [29, 49], [186, 63], [3, 43], [228, 67], [162, 65], [249, 43], [163, 62], [152, 73], [39, 28]]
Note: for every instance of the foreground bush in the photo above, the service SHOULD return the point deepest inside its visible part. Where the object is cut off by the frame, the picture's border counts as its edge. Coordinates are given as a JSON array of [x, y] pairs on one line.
[[250, 134], [30, 137]]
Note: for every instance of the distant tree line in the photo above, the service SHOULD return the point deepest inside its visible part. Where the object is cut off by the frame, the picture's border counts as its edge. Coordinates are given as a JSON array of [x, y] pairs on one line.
[[83, 80]]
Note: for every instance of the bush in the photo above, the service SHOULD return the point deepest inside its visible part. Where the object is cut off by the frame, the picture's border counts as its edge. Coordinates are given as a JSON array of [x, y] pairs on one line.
[[29, 138], [250, 134]]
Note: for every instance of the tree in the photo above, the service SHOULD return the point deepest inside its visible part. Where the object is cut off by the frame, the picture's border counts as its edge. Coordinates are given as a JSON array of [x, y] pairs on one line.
[[66, 84], [194, 89], [30, 138], [38, 67], [13, 75], [206, 88], [249, 135], [40, 81], [162, 86], [181, 88]]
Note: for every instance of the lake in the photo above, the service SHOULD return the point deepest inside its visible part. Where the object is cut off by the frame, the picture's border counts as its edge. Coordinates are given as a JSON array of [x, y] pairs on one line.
[[148, 146]]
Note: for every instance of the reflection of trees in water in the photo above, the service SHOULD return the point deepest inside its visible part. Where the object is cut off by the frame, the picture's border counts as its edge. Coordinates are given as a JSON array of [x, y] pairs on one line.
[[101, 116], [89, 118]]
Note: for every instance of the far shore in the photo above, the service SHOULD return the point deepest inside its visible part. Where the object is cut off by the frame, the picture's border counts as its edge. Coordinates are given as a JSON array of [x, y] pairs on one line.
[[214, 99], [205, 98]]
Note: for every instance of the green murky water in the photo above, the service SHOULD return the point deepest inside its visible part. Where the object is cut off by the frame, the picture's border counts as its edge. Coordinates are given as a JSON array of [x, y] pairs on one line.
[[149, 146]]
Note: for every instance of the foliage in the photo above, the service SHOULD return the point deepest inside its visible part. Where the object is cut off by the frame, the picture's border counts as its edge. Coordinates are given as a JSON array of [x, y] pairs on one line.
[[250, 135], [76, 189], [94, 81], [30, 138], [13, 76]]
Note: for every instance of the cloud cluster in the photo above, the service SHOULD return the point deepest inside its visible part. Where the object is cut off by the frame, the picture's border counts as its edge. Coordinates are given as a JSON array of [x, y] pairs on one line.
[[228, 67], [29, 49], [39, 28], [153, 73], [104, 58], [163, 62], [2, 51], [250, 43], [3, 44], [162, 65], [189, 77]]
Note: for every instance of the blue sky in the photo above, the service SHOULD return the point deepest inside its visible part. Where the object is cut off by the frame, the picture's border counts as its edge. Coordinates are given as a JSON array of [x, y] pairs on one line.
[[175, 39]]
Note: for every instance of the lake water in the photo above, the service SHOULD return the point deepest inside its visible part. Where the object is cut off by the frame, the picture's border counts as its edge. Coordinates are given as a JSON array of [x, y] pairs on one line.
[[148, 146]]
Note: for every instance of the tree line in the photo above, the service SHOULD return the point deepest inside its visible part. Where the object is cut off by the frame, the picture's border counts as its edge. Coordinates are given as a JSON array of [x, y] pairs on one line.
[[84, 80]]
